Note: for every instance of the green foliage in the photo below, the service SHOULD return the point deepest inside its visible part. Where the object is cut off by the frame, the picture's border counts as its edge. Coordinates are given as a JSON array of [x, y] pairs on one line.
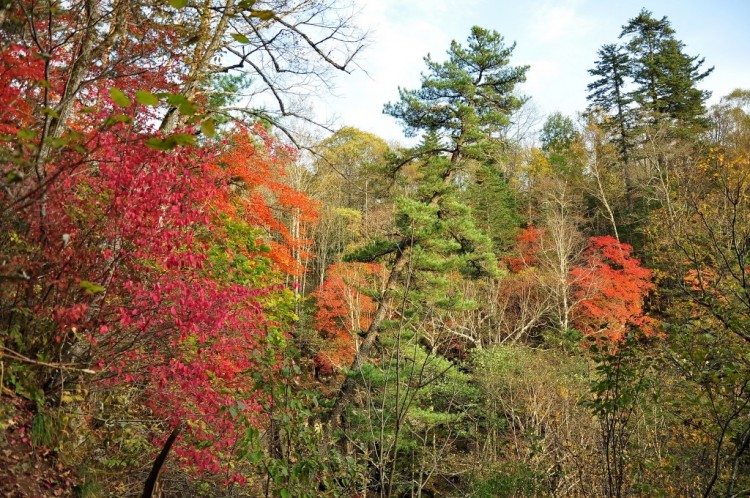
[[494, 207], [43, 429], [118, 97], [225, 90], [146, 98], [468, 99], [664, 75], [509, 481], [608, 95], [372, 252], [236, 257], [623, 378], [558, 133]]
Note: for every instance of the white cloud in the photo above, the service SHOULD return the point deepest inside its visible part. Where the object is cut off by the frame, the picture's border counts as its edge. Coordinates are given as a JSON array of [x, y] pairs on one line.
[[558, 20]]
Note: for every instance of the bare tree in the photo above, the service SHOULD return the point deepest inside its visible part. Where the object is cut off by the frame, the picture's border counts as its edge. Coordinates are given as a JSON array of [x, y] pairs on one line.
[[287, 47]]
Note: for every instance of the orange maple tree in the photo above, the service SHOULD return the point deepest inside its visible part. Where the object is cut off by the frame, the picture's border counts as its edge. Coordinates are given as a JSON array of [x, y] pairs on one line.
[[254, 163], [611, 285], [344, 309]]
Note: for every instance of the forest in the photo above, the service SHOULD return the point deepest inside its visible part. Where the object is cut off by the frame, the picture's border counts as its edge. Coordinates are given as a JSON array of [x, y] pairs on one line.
[[474, 314]]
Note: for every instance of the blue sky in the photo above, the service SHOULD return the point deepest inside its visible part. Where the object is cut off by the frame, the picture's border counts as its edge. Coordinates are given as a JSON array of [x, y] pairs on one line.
[[558, 39]]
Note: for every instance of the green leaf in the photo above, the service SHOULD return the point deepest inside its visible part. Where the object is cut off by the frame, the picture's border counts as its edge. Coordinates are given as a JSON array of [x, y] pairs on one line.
[[183, 139], [171, 141], [51, 112], [118, 97], [265, 15], [146, 98], [285, 493], [161, 143], [26, 134], [187, 109], [208, 127], [178, 4], [57, 142], [91, 287], [240, 38], [246, 4], [175, 99], [118, 118]]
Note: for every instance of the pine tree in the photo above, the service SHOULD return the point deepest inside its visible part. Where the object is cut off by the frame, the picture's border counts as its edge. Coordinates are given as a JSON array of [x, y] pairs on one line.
[[607, 95], [468, 99], [461, 111], [665, 77], [494, 206]]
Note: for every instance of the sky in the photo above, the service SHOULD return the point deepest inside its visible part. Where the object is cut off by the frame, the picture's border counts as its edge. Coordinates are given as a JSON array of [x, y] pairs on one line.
[[557, 39]]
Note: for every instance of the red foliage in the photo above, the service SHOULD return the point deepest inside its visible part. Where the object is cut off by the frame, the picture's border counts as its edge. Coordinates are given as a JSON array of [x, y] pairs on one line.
[[162, 321], [119, 269], [110, 247], [611, 286], [20, 73]]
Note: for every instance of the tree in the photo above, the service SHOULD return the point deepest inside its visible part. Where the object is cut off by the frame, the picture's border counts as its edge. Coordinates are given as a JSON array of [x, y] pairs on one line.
[[701, 242], [612, 286], [467, 100], [558, 133], [562, 142], [493, 205], [355, 203], [608, 96], [344, 310], [461, 107], [138, 268], [287, 47], [665, 77]]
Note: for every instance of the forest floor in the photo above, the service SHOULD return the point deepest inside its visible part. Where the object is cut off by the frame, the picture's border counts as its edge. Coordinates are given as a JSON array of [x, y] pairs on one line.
[[27, 470]]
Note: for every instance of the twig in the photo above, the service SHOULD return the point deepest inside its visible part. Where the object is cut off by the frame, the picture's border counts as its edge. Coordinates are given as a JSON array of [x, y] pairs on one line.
[[59, 366]]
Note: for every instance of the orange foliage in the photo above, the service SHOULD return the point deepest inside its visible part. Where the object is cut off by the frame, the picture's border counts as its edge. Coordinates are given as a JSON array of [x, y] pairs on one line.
[[344, 309], [255, 164], [611, 286], [528, 245], [701, 280]]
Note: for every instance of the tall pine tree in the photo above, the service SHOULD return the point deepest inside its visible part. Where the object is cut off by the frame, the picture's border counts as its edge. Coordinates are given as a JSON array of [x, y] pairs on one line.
[[665, 77], [607, 95], [462, 110]]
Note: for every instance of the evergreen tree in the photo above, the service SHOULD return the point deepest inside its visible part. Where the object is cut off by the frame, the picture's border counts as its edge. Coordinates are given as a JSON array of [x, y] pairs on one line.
[[494, 206], [468, 99], [607, 95], [461, 110], [665, 77]]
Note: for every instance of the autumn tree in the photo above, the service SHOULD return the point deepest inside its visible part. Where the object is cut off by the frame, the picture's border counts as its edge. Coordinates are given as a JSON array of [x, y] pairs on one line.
[[139, 268], [347, 181], [703, 228]]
